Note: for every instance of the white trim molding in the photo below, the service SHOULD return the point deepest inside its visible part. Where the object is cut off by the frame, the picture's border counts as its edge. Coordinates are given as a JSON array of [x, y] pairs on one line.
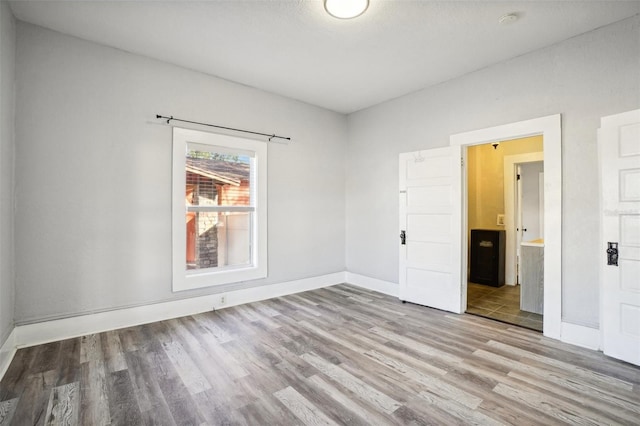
[[550, 127], [7, 352], [580, 335], [66, 328], [373, 284]]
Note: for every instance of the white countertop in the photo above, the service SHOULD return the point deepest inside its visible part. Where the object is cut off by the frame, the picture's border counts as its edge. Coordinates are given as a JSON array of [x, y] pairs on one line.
[[533, 243]]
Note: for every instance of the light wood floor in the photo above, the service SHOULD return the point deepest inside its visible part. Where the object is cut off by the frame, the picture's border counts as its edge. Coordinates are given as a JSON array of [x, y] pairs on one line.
[[340, 355]]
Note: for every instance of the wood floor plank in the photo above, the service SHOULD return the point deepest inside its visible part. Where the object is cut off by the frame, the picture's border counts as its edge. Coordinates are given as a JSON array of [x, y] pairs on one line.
[[513, 414], [178, 398], [589, 375], [131, 338], [336, 412], [370, 417], [297, 305], [47, 358], [396, 356], [90, 348], [364, 391], [339, 355], [302, 408], [7, 409], [14, 380], [145, 387], [592, 400], [216, 409], [123, 405], [433, 383], [625, 400], [208, 322], [69, 363], [561, 411], [269, 412], [94, 394], [113, 354], [32, 404], [427, 350], [63, 406], [459, 410], [191, 376], [265, 309]]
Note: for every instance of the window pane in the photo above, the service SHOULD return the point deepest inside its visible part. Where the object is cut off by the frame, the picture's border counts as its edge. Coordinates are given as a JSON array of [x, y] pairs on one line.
[[219, 179], [216, 239]]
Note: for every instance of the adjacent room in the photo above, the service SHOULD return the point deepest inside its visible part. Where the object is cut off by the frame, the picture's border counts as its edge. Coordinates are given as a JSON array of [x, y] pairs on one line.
[[313, 212], [506, 179]]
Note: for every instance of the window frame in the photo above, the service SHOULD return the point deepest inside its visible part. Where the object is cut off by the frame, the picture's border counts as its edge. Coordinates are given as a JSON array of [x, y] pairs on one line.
[[184, 279]]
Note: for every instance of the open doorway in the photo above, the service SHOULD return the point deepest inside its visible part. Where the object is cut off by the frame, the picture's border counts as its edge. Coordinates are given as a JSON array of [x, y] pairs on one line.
[[550, 127], [505, 218]]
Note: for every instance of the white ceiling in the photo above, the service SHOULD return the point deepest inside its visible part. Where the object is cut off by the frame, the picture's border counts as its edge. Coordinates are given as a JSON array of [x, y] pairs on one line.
[[294, 48]]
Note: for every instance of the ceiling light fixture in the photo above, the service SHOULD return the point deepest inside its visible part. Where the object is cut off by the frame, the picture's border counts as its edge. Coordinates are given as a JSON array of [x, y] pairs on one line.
[[345, 9]]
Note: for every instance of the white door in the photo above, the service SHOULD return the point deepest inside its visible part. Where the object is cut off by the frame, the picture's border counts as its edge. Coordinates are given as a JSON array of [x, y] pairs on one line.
[[619, 144], [530, 199], [431, 227], [518, 222]]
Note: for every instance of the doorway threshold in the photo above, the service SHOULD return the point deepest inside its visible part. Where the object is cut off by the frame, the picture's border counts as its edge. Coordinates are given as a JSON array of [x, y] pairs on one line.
[[500, 304]]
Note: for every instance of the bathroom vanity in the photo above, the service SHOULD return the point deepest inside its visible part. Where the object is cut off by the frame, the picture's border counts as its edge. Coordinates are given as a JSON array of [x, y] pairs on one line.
[[532, 276]]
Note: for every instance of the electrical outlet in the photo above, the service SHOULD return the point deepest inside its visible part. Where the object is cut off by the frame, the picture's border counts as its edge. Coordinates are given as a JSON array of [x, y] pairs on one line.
[[223, 299]]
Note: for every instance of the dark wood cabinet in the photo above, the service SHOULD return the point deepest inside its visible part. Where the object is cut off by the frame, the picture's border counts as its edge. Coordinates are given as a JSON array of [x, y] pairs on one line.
[[487, 257]]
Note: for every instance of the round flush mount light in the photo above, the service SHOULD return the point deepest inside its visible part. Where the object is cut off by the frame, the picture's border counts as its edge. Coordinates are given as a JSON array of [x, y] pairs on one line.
[[507, 19], [345, 9]]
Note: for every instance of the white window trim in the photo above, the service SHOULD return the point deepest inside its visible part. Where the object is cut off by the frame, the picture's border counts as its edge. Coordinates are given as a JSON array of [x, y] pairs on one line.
[[207, 278]]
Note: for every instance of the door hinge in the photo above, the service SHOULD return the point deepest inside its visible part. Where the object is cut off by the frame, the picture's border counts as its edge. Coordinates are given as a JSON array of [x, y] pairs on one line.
[[403, 237], [518, 177], [462, 161]]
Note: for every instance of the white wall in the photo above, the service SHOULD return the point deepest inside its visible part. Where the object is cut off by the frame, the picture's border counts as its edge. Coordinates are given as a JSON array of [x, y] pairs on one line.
[[7, 77], [583, 78], [93, 175]]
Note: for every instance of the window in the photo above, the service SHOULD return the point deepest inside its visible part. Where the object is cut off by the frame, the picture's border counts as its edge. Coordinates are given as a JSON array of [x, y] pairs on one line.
[[219, 209]]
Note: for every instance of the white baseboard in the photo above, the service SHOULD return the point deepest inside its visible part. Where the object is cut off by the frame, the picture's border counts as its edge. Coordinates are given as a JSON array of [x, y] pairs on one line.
[[66, 328], [580, 335], [7, 351], [374, 284]]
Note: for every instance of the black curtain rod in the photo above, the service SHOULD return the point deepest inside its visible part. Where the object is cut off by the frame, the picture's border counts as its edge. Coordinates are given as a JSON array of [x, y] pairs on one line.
[[273, 136]]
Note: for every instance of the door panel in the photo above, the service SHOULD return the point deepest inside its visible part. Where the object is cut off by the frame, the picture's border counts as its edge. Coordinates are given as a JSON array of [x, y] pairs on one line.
[[530, 181], [619, 141], [430, 215]]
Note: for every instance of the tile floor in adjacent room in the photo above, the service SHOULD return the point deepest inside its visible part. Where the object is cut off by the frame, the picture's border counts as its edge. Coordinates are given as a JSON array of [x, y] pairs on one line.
[[500, 303]]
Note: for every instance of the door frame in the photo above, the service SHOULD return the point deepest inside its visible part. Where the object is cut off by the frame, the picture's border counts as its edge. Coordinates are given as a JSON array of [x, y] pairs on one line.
[[550, 128], [509, 165]]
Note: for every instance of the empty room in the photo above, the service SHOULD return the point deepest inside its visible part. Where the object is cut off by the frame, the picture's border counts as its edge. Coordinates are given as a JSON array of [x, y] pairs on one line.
[[319, 212]]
